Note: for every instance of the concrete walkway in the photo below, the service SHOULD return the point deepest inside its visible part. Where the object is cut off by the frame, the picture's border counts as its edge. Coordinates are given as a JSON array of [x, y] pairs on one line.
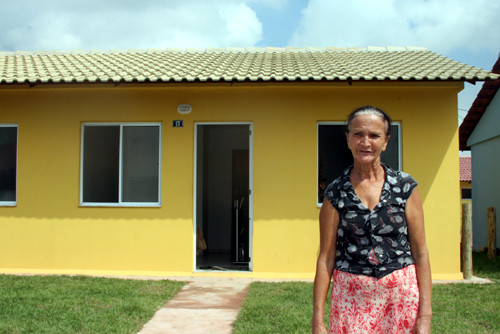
[[204, 305]]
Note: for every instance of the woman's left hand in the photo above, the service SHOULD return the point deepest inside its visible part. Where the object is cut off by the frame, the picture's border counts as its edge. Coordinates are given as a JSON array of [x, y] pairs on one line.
[[415, 220], [423, 325]]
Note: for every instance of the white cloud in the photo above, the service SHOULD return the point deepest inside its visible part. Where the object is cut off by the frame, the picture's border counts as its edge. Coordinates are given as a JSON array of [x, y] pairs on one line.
[[125, 24], [449, 27], [440, 25], [275, 4], [240, 20]]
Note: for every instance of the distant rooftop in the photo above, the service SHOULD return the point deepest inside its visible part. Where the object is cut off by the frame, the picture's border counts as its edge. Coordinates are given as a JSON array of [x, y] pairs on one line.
[[235, 65], [465, 169]]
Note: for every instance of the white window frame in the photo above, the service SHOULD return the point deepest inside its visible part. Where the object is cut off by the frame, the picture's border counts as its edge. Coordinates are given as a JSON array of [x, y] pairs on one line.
[[11, 125], [120, 203], [400, 146]]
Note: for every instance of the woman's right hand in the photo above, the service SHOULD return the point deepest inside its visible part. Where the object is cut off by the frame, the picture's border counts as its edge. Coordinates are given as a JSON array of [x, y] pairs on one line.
[[328, 222]]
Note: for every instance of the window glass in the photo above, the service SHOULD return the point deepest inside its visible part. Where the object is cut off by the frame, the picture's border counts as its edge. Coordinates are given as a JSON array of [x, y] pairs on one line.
[[140, 164], [8, 164], [121, 160], [466, 193], [101, 164], [334, 155]]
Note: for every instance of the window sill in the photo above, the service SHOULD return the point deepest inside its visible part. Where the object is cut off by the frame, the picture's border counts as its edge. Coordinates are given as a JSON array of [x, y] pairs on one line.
[[118, 205]]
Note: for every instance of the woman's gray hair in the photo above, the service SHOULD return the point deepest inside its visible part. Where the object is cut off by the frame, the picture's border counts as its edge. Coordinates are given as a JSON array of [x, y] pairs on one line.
[[370, 110]]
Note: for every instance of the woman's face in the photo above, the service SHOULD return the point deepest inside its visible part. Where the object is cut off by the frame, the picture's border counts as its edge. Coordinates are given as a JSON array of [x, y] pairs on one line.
[[366, 138]]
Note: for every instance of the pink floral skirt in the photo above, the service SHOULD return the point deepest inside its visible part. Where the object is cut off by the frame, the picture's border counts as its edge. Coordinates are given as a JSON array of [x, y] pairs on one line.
[[364, 304]]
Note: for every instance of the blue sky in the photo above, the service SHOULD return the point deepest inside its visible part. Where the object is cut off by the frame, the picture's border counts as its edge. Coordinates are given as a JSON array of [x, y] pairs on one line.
[[464, 30]]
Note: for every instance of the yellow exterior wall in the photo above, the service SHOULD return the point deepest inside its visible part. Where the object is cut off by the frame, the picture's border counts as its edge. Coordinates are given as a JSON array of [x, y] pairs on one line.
[[47, 232]]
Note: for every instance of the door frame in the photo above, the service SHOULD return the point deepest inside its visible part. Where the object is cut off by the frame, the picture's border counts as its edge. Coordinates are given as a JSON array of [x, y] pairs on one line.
[[250, 186]]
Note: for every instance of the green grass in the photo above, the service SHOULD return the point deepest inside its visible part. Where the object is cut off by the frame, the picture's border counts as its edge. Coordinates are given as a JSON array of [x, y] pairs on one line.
[[469, 308], [458, 308], [64, 304], [77, 304], [276, 308]]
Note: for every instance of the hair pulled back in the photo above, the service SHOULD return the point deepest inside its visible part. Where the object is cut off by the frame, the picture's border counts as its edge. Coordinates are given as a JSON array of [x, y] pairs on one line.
[[370, 110]]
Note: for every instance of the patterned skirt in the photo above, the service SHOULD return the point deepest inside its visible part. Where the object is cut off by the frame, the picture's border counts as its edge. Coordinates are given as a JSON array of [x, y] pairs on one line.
[[364, 304]]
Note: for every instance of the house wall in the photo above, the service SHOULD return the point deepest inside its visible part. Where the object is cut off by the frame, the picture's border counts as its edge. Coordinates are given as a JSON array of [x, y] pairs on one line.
[[485, 147], [487, 127], [465, 185], [48, 232]]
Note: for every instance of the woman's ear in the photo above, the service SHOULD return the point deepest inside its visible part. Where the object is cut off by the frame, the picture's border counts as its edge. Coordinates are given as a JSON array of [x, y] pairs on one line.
[[386, 142]]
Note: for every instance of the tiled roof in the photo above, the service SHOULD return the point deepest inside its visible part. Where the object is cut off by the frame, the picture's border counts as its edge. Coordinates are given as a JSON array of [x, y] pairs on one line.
[[465, 169], [478, 107], [235, 64]]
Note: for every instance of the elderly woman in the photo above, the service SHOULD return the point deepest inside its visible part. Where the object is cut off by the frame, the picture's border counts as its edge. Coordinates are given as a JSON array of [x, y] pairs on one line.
[[372, 241]]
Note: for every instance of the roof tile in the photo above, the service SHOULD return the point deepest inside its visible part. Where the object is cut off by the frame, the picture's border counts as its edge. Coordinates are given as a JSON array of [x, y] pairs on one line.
[[465, 169], [235, 64]]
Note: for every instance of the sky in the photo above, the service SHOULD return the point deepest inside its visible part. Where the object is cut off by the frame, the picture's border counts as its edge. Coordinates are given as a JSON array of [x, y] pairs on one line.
[[464, 30]]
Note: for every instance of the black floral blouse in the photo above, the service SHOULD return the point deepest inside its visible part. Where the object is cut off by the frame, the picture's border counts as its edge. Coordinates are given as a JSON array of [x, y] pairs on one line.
[[373, 243]]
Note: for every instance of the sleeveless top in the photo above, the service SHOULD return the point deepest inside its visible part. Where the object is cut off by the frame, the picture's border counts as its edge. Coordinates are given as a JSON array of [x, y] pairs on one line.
[[372, 243]]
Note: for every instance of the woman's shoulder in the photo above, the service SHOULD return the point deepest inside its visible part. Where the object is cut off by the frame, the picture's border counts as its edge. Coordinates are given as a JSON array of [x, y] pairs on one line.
[[394, 175], [401, 180], [333, 190], [341, 180]]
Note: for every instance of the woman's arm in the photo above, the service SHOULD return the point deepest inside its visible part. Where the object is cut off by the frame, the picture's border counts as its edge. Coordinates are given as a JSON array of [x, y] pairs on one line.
[[415, 220], [328, 224]]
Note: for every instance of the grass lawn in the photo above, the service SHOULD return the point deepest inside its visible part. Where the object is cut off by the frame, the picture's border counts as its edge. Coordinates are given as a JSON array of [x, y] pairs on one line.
[[458, 308], [77, 304], [469, 308]]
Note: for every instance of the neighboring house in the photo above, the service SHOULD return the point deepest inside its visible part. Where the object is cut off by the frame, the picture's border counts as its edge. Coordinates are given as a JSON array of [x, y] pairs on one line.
[[114, 162], [465, 179], [480, 133]]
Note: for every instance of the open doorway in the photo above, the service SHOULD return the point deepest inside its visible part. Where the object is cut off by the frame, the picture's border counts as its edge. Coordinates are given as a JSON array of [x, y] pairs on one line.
[[223, 196]]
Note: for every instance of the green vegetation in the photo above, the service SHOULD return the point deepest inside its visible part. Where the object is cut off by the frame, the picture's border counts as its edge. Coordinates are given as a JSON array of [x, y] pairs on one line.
[[277, 308], [64, 304], [458, 308], [469, 308]]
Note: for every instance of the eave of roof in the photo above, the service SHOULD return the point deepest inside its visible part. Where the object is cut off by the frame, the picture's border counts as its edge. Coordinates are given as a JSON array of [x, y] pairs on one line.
[[478, 107], [234, 65]]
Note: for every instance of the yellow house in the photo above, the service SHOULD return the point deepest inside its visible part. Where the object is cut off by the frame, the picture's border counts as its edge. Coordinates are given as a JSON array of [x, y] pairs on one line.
[[465, 179], [207, 162]]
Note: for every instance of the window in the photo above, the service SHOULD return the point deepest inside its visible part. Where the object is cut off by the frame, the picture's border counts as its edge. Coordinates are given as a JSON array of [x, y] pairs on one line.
[[121, 164], [334, 155], [8, 164], [466, 193]]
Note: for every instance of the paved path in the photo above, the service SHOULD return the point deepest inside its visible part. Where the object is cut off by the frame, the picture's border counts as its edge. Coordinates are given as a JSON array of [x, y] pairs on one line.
[[204, 305]]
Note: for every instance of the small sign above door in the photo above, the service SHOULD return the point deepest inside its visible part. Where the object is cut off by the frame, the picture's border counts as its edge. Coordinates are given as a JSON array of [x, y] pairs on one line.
[[177, 123]]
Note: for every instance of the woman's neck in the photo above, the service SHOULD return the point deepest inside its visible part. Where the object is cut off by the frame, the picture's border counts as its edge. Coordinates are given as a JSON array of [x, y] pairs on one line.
[[368, 172]]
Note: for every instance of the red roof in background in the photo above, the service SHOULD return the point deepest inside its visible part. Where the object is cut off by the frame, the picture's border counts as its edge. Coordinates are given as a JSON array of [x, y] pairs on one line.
[[478, 107], [465, 169]]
